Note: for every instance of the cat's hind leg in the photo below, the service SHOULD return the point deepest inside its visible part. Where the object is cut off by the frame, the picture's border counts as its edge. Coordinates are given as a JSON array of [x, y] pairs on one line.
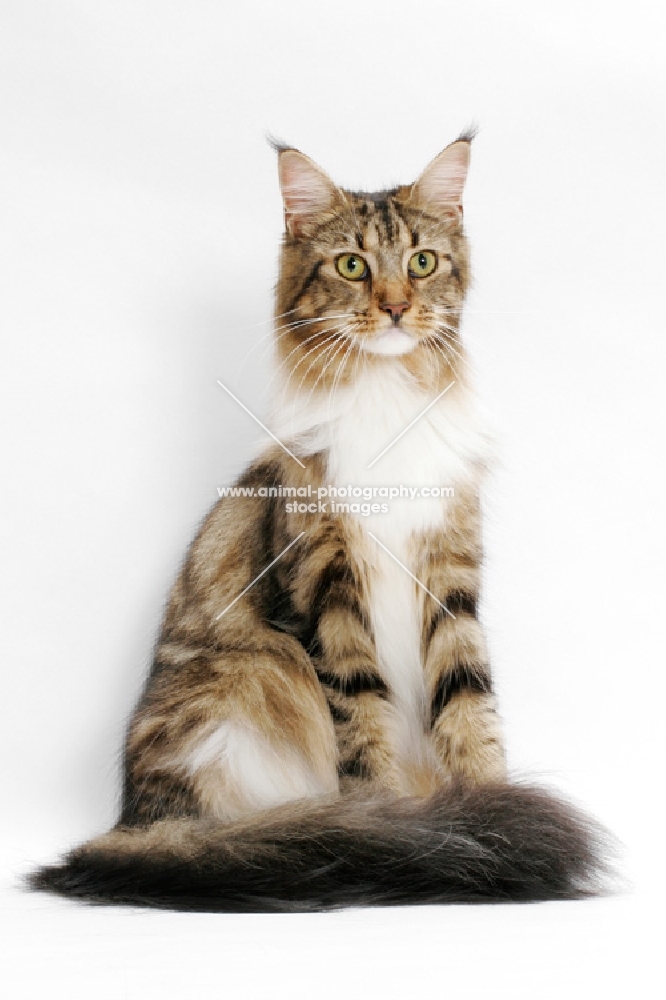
[[254, 732]]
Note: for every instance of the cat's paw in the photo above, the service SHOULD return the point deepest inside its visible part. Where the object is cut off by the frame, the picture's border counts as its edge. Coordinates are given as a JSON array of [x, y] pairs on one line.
[[468, 739]]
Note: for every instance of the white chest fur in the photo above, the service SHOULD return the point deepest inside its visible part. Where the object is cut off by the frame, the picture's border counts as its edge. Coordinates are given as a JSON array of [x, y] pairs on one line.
[[383, 415]]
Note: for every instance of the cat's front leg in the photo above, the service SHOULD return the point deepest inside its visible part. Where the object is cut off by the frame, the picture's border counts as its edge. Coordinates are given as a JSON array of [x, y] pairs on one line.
[[464, 725], [332, 587], [466, 730]]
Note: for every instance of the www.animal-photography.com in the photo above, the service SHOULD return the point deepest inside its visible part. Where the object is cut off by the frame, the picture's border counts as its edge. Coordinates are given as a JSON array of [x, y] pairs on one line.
[[332, 521]]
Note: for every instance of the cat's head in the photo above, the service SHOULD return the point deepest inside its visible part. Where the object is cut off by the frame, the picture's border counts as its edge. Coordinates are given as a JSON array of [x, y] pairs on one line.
[[383, 275]]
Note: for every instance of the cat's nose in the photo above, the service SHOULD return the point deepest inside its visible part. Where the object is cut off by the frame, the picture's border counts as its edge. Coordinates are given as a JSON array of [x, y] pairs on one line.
[[394, 309]]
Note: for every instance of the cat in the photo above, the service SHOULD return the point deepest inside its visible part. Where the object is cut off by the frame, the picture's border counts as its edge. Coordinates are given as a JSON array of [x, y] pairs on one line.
[[319, 727]]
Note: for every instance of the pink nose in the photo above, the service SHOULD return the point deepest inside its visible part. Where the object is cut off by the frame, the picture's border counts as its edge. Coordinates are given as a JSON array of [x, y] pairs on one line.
[[395, 309]]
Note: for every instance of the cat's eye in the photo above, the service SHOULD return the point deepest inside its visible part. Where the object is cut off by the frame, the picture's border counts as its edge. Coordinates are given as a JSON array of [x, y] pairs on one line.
[[422, 264], [351, 266]]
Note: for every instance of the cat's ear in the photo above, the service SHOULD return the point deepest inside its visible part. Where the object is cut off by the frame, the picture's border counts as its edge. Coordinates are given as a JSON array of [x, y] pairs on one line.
[[440, 186], [307, 191]]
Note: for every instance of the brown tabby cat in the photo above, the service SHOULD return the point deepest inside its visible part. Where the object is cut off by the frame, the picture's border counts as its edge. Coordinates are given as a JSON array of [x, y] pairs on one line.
[[319, 727]]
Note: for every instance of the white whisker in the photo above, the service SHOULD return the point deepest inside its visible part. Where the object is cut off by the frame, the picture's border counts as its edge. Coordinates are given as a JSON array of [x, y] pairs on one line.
[[299, 346], [448, 341], [339, 371], [438, 346], [287, 328], [325, 368], [326, 346]]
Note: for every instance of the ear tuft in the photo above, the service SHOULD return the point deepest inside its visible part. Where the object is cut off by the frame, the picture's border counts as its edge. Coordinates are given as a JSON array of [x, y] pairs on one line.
[[307, 191], [441, 184], [278, 145]]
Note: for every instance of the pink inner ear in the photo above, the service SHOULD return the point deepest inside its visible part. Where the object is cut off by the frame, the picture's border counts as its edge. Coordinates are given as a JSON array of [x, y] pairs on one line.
[[443, 180], [306, 190]]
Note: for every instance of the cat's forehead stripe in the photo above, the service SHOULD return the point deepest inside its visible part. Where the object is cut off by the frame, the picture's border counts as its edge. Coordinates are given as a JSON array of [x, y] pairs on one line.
[[380, 221]]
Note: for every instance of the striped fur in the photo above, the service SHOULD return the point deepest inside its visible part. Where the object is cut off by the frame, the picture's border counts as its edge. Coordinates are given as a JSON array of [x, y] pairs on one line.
[[324, 732], [493, 843]]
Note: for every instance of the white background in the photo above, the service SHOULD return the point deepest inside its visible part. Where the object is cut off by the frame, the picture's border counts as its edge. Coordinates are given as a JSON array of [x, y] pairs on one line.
[[139, 229]]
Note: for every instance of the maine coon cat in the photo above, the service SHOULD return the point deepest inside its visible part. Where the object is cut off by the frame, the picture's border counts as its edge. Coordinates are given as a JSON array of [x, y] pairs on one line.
[[319, 727]]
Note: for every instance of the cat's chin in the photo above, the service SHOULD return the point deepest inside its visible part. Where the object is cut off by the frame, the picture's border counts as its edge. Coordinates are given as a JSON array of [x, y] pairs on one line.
[[391, 342]]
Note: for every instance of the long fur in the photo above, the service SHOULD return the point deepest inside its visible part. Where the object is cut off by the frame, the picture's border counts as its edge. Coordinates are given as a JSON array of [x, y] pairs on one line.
[[331, 676], [493, 843]]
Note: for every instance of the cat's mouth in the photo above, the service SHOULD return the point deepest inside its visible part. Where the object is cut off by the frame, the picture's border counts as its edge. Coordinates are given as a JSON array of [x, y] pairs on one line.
[[392, 341]]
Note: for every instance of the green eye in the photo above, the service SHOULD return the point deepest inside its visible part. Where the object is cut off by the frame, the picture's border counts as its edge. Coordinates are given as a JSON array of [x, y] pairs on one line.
[[422, 264], [351, 266]]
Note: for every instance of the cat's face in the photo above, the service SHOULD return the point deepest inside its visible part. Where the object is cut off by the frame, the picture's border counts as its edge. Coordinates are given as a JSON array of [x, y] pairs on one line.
[[382, 275]]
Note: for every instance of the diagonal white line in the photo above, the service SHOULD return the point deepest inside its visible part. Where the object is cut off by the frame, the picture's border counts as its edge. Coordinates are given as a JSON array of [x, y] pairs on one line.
[[263, 426], [422, 413], [415, 578], [265, 570]]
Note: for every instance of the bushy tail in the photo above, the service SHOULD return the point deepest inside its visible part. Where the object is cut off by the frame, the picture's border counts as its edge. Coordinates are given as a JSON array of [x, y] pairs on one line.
[[493, 843]]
